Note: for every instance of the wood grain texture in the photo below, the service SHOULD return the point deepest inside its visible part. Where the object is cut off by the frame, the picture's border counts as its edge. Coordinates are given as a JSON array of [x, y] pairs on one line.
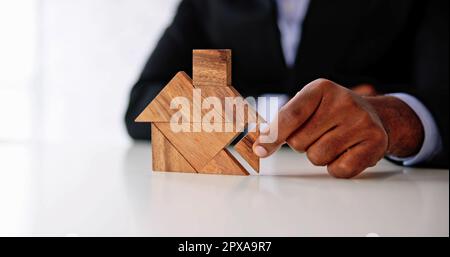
[[159, 109], [230, 96], [198, 148], [245, 149], [165, 157], [211, 67], [224, 163]]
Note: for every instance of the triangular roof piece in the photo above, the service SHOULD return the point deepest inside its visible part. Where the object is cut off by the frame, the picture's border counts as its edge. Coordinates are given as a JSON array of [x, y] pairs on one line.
[[159, 109]]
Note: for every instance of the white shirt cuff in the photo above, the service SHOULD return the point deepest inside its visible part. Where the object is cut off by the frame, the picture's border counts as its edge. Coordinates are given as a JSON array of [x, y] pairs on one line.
[[432, 142]]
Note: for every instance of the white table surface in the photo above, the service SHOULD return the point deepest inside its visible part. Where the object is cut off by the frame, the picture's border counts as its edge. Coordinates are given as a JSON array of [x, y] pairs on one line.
[[96, 189]]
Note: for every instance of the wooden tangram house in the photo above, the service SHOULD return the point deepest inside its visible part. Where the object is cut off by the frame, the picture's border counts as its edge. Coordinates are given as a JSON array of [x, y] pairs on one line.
[[193, 151]]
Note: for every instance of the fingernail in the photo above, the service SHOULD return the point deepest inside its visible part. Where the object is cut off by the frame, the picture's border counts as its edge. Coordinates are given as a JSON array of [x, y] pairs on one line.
[[260, 151]]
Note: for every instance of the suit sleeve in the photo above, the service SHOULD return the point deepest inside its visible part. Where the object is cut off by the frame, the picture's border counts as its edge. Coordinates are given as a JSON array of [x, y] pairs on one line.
[[431, 71], [173, 53]]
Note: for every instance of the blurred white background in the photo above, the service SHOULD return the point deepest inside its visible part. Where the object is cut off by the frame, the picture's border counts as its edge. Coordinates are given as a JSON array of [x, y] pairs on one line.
[[66, 66]]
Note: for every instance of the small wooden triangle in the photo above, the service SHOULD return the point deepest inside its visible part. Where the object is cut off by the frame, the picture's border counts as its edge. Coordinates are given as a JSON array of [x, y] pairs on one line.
[[165, 156]]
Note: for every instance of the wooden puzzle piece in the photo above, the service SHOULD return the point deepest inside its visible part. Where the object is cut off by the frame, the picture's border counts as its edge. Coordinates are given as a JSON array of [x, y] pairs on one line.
[[224, 163], [181, 86], [198, 148], [211, 68], [245, 149], [165, 157], [159, 109], [229, 96]]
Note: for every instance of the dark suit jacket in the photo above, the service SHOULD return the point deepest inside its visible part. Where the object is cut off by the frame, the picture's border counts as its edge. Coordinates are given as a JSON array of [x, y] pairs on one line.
[[397, 45]]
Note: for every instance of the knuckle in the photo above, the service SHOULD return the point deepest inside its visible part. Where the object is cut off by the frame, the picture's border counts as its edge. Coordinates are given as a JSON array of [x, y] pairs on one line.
[[378, 136], [290, 113], [346, 102], [296, 144], [320, 84], [348, 97], [365, 118], [363, 122], [315, 157], [342, 170]]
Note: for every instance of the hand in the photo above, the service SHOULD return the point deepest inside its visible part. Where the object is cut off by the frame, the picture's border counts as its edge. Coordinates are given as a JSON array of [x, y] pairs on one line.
[[365, 90], [346, 132]]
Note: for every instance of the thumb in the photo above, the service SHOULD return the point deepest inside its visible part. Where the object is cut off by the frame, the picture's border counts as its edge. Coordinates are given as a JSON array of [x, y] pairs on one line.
[[290, 117]]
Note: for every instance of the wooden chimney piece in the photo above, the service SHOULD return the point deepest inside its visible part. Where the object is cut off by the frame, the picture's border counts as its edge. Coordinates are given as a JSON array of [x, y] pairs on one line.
[[211, 68]]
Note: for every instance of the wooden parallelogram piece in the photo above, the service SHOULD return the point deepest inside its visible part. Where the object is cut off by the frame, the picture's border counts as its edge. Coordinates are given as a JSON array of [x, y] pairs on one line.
[[224, 163], [245, 149]]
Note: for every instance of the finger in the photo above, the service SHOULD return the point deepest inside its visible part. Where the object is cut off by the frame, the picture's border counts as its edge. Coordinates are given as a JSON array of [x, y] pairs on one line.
[[331, 145], [354, 161], [290, 117], [318, 125]]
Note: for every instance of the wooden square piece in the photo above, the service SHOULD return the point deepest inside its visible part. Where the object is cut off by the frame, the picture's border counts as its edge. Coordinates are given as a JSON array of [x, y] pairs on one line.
[[211, 68]]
